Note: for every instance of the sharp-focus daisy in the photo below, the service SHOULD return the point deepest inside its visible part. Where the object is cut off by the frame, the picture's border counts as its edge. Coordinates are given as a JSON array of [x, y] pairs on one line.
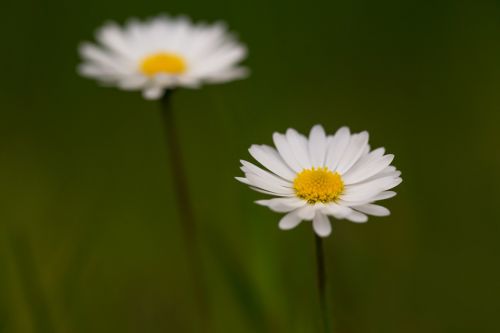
[[162, 53], [321, 176]]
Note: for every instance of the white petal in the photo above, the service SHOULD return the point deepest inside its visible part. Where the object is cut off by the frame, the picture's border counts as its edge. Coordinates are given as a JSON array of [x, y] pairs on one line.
[[317, 146], [268, 185], [189, 82], [249, 167], [366, 168], [357, 217], [152, 93], [253, 187], [336, 210], [366, 150], [322, 225], [384, 195], [289, 221], [380, 196], [307, 212], [366, 158], [353, 152], [112, 36], [282, 205], [228, 75], [271, 159], [271, 193], [298, 144], [96, 71], [336, 147], [374, 210], [132, 82], [243, 180], [105, 59], [389, 171], [222, 59], [366, 190], [286, 152]]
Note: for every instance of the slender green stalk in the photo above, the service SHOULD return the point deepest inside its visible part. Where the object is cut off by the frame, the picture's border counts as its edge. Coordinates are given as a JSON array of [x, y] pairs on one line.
[[186, 215], [321, 275]]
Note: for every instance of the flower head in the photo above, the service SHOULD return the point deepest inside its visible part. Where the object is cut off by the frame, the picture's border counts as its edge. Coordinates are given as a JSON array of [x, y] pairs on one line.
[[321, 176], [162, 53]]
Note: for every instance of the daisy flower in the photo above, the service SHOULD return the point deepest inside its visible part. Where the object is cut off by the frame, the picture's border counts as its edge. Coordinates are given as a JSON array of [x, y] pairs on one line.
[[162, 53], [321, 176]]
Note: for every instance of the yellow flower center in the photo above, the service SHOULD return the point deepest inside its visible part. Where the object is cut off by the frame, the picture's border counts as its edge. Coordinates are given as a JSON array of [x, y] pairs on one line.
[[318, 185], [163, 62]]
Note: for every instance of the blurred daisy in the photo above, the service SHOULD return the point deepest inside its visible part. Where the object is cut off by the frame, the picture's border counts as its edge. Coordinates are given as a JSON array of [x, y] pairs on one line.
[[162, 53], [321, 176]]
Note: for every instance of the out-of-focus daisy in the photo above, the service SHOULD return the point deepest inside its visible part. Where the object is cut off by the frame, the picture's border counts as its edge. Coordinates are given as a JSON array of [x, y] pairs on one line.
[[321, 176], [162, 53]]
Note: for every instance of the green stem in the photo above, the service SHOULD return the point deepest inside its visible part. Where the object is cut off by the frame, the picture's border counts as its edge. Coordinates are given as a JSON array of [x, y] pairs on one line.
[[321, 276], [186, 215]]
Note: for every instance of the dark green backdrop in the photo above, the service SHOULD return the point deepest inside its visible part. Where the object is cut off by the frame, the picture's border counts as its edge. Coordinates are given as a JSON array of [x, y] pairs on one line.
[[89, 233]]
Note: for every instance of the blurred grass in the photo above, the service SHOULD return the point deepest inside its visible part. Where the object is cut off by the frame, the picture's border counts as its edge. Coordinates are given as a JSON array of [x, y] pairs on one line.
[[89, 239]]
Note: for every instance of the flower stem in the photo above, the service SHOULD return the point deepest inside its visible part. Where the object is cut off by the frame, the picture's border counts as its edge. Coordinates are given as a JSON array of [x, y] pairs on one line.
[[321, 275], [186, 214]]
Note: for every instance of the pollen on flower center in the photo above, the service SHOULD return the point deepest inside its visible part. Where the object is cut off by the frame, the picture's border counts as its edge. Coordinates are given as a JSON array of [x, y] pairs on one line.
[[318, 185], [163, 62]]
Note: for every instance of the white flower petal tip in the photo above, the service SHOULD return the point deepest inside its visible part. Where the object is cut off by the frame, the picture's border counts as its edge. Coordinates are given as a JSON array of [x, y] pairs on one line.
[[242, 180], [289, 221], [162, 53], [374, 210], [152, 93], [320, 176], [322, 225], [357, 217]]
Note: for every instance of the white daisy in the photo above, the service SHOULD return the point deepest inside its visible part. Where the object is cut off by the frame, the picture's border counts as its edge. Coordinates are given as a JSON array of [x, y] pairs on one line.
[[162, 53], [325, 175]]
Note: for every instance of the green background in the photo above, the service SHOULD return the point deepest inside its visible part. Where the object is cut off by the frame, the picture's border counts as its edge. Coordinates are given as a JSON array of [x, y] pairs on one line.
[[90, 239]]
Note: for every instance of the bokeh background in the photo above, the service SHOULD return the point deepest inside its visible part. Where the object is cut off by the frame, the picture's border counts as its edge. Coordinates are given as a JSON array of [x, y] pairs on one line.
[[89, 233]]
